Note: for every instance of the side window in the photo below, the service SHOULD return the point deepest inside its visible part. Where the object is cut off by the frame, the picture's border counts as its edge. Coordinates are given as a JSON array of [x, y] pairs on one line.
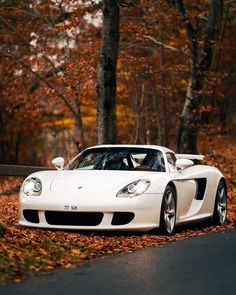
[[160, 163], [171, 159], [149, 160]]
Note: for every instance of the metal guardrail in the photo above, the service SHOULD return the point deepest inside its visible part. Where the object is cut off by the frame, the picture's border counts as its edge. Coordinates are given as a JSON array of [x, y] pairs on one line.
[[18, 170]]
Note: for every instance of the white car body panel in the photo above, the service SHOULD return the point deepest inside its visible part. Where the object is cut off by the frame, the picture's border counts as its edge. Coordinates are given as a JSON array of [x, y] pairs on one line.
[[71, 192]]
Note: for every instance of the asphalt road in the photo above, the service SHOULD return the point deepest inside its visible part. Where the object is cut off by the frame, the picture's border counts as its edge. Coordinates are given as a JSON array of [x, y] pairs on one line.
[[202, 265]]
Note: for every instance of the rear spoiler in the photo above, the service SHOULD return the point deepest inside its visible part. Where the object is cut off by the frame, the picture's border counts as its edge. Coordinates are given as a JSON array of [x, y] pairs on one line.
[[189, 157]]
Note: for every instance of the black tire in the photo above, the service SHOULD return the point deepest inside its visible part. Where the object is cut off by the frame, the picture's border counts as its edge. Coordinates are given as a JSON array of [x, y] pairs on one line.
[[220, 208], [168, 212]]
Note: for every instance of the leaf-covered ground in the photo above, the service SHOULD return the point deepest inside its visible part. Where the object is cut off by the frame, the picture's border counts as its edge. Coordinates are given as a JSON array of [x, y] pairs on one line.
[[25, 252]]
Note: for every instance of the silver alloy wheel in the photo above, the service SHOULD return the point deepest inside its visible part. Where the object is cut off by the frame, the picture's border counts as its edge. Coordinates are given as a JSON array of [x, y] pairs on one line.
[[221, 203], [169, 211]]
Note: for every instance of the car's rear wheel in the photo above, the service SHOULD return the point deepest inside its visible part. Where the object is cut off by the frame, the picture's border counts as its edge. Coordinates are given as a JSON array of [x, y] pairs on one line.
[[220, 209], [168, 211]]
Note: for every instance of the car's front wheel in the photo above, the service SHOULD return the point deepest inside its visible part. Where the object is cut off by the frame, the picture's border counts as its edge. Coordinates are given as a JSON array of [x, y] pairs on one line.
[[168, 211], [220, 209]]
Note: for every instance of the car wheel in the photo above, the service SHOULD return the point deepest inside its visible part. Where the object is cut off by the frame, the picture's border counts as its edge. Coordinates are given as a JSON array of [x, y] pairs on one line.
[[168, 211], [220, 209]]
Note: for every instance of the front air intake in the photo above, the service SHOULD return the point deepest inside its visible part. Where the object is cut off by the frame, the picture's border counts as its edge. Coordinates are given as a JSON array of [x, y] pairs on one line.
[[31, 215], [73, 218], [122, 218]]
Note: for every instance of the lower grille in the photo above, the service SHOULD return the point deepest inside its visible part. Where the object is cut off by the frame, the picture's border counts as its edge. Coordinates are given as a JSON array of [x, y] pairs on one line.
[[122, 218], [73, 218], [31, 215]]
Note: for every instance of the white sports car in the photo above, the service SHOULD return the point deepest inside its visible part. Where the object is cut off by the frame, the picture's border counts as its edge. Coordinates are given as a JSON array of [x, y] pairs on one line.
[[124, 187]]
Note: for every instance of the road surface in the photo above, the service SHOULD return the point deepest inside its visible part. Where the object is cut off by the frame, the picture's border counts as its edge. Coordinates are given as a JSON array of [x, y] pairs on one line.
[[202, 265]]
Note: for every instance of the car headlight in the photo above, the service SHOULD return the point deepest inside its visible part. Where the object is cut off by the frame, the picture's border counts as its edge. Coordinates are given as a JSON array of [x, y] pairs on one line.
[[134, 189], [32, 186]]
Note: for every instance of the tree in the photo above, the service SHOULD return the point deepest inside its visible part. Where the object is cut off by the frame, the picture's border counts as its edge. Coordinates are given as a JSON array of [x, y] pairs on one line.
[[200, 63], [106, 79]]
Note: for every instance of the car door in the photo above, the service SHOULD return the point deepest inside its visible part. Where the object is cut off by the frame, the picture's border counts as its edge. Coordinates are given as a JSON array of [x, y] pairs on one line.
[[186, 193], [190, 190]]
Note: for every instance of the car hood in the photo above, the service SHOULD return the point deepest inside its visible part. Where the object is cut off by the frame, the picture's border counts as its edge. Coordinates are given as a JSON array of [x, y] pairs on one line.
[[93, 181]]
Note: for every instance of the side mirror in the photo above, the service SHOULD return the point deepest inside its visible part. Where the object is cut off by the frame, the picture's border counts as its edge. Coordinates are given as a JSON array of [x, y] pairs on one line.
[[58, 163], [182, 164]]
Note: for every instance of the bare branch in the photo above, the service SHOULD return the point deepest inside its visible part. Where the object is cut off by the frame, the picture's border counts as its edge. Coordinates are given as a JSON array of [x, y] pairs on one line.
[[166, 46], [48, 74], [128, 3]]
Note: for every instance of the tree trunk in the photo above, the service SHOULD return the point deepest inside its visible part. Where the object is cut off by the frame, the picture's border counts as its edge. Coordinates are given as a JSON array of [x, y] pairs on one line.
[[189, 122], [139, 110], [4, 145], [165, 129], [188, 130], [156, 108], [106, 87], [81, 143], [2, 228]]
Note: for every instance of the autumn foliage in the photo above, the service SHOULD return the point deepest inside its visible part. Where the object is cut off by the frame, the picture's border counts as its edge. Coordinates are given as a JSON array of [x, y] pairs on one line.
[[48, 67]]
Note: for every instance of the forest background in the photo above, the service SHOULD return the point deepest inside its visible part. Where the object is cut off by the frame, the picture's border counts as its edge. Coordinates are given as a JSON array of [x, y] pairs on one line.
[[49, 56]]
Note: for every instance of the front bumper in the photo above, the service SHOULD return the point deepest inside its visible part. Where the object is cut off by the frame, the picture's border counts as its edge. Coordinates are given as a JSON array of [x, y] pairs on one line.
[[90, 212]]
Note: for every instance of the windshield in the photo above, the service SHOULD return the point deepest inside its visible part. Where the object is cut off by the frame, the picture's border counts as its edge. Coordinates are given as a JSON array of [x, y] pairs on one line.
[[118, 158]]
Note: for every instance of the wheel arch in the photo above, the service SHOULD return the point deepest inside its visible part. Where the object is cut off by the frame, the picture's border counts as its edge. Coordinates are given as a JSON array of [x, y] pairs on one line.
[[216, 218], [224, 182], [163, 229], [171, 184]]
